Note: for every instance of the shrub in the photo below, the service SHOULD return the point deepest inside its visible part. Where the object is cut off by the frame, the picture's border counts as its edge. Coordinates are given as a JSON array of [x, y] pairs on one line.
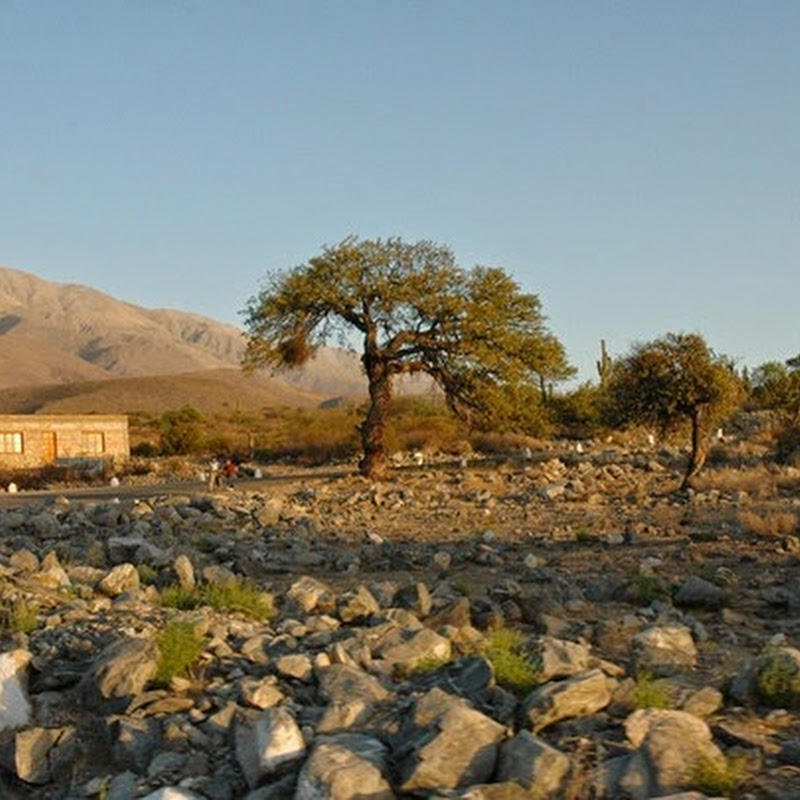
[[719, 778], [515, 669], [778, 679], [237, 596], [179, 646], [22, 616], [184, 598], [650, 693], [774, 524], [246, 598]]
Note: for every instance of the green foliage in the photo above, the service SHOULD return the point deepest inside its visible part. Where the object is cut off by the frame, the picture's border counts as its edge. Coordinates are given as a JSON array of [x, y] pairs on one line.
[[20, 616], [674, 380], [179, 646], [778, 679], [650, 692], [515, 669], [776, 387], [242, 597], [236, 596], [473, 331], [668, 380], [719, 778], [643, 588], [147, 575], [180, 431], [582, 411], [183, 598]]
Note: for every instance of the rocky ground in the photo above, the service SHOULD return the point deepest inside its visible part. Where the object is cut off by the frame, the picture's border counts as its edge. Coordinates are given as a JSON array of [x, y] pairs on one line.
[[372, 679]]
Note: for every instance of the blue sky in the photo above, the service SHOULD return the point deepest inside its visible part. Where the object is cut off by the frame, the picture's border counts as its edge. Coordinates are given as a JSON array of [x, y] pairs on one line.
[[635, 164]]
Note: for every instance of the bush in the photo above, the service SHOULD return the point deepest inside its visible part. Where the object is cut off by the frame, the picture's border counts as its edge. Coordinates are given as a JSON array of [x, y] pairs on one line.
[[21, 616], [237, 596], [515, 669], [650, 693], [179, 647], [778, 678], [180, 431]]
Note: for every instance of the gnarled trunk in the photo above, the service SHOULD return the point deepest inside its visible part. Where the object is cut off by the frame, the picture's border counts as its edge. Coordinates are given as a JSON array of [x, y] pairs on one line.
[[699, 448], [373, 428]]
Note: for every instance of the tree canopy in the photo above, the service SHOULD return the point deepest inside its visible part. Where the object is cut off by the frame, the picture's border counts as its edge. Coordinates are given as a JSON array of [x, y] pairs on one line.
[[416, 311], [671, 380]]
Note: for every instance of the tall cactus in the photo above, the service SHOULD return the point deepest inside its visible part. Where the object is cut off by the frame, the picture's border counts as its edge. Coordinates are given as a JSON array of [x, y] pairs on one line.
[[603, 363]]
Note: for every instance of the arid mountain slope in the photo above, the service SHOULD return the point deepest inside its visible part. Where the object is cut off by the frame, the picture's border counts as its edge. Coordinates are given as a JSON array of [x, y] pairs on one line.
[[60, 344], [52, 332]]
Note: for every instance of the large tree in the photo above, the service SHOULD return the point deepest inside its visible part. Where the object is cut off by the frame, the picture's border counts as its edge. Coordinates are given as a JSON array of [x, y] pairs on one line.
[[675, 379], [416, 311]]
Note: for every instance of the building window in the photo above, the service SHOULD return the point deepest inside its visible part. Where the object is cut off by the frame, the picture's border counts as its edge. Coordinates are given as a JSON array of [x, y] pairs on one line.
[[10, 442], [94, 443]]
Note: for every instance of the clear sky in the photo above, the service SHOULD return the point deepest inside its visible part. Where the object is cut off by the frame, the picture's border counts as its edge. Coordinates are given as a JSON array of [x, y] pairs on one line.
[[634, 163]]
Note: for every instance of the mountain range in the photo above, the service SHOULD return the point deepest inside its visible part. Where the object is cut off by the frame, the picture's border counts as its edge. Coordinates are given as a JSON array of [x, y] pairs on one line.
[[71, 348]]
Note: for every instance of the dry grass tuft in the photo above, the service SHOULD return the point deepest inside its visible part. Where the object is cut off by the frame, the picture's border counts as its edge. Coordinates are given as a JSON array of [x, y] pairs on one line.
[[768, 523]]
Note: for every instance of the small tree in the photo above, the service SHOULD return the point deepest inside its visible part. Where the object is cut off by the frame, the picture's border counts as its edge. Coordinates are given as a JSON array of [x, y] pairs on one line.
[[416, 311], [674, 379], [776, 386], [180, 431]]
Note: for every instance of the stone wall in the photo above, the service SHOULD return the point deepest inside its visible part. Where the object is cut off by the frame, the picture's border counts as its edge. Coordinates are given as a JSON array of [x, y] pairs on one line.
[[32, 440]]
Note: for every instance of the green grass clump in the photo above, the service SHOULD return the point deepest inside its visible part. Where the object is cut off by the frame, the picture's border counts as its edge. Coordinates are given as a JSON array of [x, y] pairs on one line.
[[179, 646], [147, 575], [650, 693], [719, 778], [241, 596], [184, 598], [237, 596], [22, 616], [643, 588], [778, 679], [515, 669]]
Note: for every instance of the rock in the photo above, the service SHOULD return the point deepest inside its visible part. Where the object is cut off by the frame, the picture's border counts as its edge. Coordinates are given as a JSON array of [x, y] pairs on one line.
[[419, 646], [672, 747], [184, 571], [307, 593], [343, 766], [266, 741], [122, 578], [121, 671], [530, 761], [665, 649], [357, 605], [558, 658], [696, 592], [581, 695], [453, 748], [15, 706], [40, 755]]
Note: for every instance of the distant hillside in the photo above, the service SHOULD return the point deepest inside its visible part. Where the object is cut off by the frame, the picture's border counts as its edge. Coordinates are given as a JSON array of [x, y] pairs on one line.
[[51, 332], [70, 348]]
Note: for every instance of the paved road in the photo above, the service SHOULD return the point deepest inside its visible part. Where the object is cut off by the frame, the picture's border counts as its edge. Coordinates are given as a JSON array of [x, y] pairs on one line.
[[123, 491]]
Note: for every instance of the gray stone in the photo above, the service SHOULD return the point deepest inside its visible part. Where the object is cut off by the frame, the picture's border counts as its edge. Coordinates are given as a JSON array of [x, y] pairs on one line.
[[559, 658], [695, 592], [40, 755], [357, 605], [671, 746], [266, 741], [343, 767], [665, 649], [184, 571], [579, 696], [530, 761], [456, 748], [15, 706], [122, 578], [121, 671]]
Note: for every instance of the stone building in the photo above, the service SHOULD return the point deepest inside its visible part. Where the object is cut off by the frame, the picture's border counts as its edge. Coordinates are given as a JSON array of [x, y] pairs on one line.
[[33, 440]]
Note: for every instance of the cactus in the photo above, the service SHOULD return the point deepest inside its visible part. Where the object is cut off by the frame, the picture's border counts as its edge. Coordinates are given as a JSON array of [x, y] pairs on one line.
[[603, 363]]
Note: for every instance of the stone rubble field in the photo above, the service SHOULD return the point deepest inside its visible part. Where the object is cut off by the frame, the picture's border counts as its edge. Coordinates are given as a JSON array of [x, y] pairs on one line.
[[663, 631]]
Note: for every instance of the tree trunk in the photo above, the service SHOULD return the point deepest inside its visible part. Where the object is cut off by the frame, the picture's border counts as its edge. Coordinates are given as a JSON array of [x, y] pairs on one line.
[[373, 428], [699, 448]]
